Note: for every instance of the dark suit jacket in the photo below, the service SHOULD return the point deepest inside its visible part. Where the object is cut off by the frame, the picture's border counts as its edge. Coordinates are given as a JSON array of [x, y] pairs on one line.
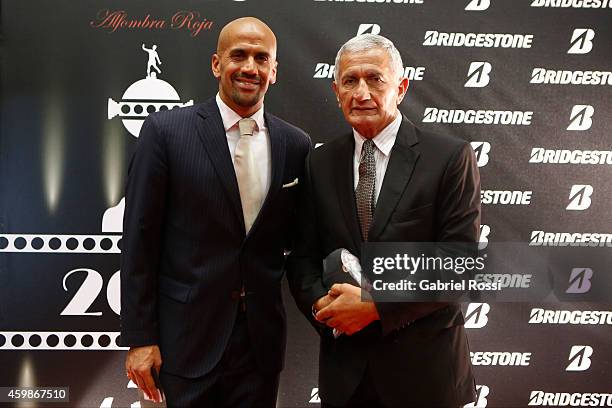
[[184, 250], [417, 352]]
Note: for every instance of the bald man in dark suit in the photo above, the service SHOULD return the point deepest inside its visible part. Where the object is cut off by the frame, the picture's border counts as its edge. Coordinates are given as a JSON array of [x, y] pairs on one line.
[[210, 205]]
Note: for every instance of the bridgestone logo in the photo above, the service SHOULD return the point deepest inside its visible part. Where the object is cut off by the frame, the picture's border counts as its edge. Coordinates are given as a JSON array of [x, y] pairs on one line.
[[479, 40], [481, 149], [482, 391], [483, 240], [582, 317], [579, 358], [324, 70], [565, 399], [540, 155], [505, 280], [560, 77], [368, 29], [478, 117], [375, 1], [572, 3], [581, 117], [574, 239], [580, 280], [499, 358], [314, 396], [505, 197], [478, 5], [476, 315], [478, 74], [580, 197], [581, 41]]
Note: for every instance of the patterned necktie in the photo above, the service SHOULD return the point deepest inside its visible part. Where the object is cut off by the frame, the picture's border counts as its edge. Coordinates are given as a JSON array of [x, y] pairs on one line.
[[249, 183], [364, 194]]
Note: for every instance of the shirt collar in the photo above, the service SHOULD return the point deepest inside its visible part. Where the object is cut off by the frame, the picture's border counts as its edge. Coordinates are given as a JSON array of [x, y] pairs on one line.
[[231, 118], [384, 141]]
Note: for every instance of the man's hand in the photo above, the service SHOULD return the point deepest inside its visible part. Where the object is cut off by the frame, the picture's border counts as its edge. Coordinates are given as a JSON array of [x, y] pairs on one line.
[[347, 313], [322, 302], [138, 364]]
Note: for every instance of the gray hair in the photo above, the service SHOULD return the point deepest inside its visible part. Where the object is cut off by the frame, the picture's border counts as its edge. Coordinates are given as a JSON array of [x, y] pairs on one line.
[[367, 42]]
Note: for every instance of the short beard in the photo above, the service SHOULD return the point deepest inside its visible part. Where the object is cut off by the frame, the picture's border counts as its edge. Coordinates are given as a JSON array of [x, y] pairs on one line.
[[245, 101]]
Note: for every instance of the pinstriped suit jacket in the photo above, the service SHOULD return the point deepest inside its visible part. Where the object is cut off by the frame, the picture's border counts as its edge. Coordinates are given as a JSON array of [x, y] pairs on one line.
[[185, 252]]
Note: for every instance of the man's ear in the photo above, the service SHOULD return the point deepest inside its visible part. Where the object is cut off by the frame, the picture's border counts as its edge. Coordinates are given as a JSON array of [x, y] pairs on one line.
[[335, 88], [216, 69], [273, 73], [402, 88]]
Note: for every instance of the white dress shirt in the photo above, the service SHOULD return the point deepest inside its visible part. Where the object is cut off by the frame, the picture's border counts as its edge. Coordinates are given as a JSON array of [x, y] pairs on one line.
[[383, 143], [260, 142]]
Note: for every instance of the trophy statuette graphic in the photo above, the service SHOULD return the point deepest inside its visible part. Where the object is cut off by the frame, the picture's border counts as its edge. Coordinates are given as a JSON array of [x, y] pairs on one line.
[[145, 96]]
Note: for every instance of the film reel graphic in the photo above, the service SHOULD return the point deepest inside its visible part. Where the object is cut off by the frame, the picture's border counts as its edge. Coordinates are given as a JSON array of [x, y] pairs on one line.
[[60, 341], [141, 98]]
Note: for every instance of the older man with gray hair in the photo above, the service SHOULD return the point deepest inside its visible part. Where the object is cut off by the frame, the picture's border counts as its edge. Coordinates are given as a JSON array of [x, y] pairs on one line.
[[384, 181]]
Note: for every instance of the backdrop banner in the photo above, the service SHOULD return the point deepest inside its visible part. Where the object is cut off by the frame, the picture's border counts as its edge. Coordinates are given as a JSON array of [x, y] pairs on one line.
[[528, 83]]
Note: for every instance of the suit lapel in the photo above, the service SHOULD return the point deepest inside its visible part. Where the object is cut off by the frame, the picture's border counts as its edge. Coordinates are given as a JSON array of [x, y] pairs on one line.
[[343, 169], [399, 171], [277, 162], [212, 134]]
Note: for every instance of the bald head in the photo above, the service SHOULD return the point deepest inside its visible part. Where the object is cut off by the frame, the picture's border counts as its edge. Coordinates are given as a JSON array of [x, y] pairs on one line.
[[248, 27], [245, 64]]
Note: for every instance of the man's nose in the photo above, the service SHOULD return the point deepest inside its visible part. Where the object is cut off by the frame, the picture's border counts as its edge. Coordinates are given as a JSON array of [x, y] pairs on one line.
[[249, 66], [362, 92]]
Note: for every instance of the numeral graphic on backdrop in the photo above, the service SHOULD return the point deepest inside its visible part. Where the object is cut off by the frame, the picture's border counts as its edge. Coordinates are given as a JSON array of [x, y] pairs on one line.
[[90, 289]]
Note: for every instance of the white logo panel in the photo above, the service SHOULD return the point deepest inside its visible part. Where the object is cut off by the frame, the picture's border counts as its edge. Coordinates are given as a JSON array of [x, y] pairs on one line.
[[478, 5], [580, 117], [482, 150], [476, 315], [580, 197], [478, 74], [369, 28], [582, 41], [579, 358], [482, 391]]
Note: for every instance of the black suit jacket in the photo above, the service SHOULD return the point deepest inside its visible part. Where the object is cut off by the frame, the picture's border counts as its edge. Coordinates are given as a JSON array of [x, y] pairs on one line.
[[184, 249], [417, 352]]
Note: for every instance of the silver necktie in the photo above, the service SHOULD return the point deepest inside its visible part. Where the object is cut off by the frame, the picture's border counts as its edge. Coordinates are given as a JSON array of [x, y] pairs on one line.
[[249, 180]]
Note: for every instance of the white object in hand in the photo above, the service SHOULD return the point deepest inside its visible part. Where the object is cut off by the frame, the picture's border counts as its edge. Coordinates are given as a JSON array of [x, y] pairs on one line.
[[351, 265]]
